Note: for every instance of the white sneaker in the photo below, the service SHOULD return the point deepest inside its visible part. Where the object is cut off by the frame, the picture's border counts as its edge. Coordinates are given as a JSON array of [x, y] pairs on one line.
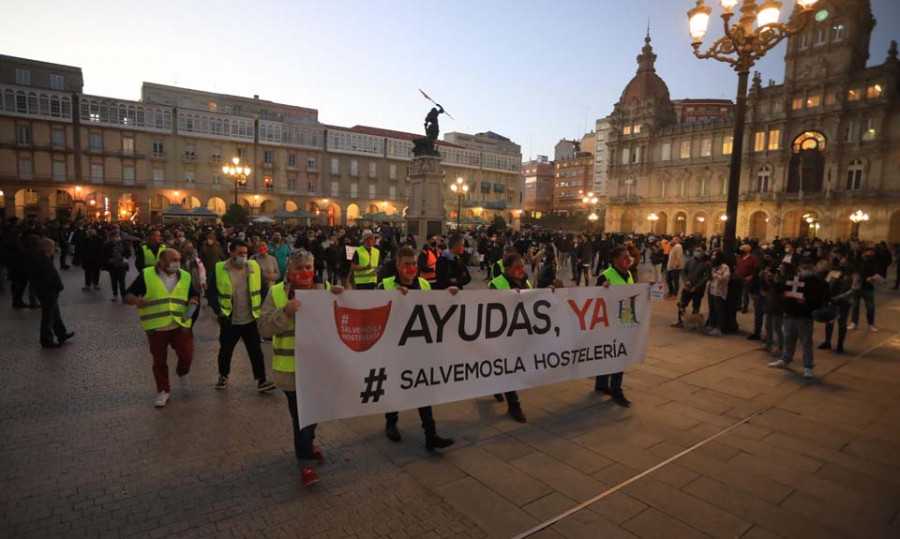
[[715, 333], [851, 326], [185, 382], [807, 373], [779, 364], [873, 328], [161, 399]]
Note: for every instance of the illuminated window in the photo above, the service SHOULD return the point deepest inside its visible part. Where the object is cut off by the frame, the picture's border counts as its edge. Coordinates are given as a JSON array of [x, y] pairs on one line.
[[869, 131], [813, 101], [853, 94], [685, 152], [626, 130], [874, 91], [727, 145], [759, 141], [775, 139], [636, 129], [797, 103], [212, 106], [706, 147]]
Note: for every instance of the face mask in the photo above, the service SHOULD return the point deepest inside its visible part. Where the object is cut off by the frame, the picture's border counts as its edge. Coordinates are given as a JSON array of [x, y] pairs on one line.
[[240, 260], [409, 273], [174, 267], [276, 241], [241, 236], [697, 254], [263, 250], [517, 273], [210, 241], [806, 273], [189, 253], [302, 278]]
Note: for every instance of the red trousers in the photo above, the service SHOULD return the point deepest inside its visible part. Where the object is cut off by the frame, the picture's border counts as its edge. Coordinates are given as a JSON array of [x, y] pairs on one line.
[[182, 342]]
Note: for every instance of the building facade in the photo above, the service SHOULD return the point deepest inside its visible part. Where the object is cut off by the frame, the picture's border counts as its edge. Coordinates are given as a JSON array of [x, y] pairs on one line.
[[819, 147], [65, 154], [574, 178], [539, 180]]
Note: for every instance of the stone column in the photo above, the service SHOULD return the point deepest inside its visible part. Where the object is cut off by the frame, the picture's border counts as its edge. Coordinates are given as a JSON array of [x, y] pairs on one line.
[[426, 214]]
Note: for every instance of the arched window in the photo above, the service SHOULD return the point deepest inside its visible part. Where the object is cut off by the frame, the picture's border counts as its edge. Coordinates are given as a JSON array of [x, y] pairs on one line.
[[763, 179], [855, 175]]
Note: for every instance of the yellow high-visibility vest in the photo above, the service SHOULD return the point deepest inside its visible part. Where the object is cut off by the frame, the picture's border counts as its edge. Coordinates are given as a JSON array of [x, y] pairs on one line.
[[283, 343], [150, 258], [366, 276], [163, 307], [223, 284]]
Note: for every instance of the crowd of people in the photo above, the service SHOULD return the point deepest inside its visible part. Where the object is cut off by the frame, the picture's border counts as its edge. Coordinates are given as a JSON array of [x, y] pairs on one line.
[[247, 275]]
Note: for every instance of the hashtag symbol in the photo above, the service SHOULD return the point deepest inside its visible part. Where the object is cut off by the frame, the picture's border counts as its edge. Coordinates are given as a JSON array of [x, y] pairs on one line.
[[373, 379]]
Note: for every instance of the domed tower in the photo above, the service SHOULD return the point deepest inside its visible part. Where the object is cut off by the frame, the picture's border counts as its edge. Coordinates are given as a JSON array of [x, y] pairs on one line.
[[645, 102]]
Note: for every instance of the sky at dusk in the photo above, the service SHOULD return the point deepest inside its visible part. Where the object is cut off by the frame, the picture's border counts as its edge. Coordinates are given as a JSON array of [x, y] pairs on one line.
[[534, 71]]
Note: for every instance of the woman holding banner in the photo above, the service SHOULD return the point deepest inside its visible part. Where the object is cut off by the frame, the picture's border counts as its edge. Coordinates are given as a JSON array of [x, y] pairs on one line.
[[276, 320]]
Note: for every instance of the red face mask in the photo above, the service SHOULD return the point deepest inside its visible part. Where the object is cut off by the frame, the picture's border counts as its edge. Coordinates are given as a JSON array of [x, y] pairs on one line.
[[263, 250], [517, 273], [409, 273], [302, 279]]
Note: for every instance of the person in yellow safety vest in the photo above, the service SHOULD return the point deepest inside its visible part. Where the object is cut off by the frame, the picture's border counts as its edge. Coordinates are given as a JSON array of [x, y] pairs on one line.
[[276, 320], [427, 261], [364, 266], [407, 279], [498, 268], [616, 274], [148, 254], [512, 278], [235, 294], [167, 301]]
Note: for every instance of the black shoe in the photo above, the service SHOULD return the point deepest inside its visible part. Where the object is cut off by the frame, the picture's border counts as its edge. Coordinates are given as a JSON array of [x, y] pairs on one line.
[[51, 345], [265, 386], [392, 432], [19, 305], [436, 442], [621, 400], [66, 337], [498, 397], [516, 413], [602, 389], [839, 349], [34, 305], [66, 266], [754, 337], [825, 346]]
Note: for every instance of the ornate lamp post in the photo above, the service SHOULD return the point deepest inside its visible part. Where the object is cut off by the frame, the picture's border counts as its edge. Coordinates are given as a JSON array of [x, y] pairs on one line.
[[238, 175], [460, 189], [653, 218], [590, 201], [858, 218], [741, 46]]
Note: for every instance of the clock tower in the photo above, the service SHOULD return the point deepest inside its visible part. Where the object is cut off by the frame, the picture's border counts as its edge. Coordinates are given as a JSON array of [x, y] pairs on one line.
[[835, 43]]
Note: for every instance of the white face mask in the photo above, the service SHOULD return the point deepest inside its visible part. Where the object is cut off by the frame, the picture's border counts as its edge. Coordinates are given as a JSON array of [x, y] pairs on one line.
[[174, 267]]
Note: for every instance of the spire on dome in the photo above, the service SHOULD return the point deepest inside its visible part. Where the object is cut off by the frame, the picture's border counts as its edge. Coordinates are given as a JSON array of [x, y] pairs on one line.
[[647, 58]]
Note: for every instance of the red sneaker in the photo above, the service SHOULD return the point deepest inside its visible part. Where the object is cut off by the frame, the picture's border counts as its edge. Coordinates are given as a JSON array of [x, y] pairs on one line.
[[317, 454], [308, 476]]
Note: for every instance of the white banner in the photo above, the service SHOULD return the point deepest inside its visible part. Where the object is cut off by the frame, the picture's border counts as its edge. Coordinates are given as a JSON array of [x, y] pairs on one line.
[[365, 352]]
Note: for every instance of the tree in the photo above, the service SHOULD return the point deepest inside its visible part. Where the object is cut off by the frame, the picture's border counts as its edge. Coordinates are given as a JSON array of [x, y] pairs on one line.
[[236, 215]]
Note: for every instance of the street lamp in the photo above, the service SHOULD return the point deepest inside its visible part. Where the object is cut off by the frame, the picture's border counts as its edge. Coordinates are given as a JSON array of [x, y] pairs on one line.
[[858, 218], [653, 218], [741, 46], [238, 175], [460, 189], [590, 201]]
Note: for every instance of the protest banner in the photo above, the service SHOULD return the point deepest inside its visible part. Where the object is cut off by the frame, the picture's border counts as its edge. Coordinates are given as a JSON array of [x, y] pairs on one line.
[[365, 352]]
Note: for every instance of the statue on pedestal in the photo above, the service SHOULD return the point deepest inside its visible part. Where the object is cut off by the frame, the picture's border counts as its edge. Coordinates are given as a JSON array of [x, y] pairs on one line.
[[426, 145]]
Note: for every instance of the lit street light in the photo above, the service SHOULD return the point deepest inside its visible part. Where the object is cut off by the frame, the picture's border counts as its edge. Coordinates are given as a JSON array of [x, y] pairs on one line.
[[238, 175], [653, 218], [742, 45], [858, 218], [460, 189]]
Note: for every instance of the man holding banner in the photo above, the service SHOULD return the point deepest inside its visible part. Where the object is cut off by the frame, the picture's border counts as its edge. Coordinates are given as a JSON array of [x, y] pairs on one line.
[[276, 320], [616, 274], [513, 277], [408, 279]]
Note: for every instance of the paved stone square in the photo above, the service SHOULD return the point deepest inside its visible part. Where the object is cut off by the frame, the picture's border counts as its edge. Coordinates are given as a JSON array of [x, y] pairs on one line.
[[83, 453]]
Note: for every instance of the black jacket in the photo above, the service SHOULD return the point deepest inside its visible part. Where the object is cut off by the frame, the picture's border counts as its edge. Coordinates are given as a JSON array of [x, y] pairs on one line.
[[451, 272], [43, 276]]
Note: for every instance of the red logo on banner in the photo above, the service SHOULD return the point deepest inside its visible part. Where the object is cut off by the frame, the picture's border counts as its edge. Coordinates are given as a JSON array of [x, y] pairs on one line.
[[360, 329]]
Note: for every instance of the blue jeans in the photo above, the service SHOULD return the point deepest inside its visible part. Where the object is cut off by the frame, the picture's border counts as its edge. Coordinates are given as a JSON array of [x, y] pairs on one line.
[[775, 330], [869, 297], [802, 329]]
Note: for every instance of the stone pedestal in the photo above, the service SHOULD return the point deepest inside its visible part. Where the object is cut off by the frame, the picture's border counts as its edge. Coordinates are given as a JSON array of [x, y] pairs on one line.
[[425, 214]]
